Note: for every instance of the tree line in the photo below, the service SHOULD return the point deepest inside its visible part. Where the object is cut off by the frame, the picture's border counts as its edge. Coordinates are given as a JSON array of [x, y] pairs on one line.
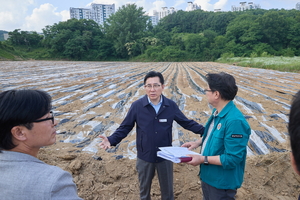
[[198, 35]]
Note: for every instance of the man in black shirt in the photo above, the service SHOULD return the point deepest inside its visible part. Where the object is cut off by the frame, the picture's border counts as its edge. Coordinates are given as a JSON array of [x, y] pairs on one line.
[[294, 131]]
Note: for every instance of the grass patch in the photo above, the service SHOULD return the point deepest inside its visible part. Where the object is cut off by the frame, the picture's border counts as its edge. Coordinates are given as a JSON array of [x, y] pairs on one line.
[[38, 54], [5, 55], [8, 52], [280, 63]]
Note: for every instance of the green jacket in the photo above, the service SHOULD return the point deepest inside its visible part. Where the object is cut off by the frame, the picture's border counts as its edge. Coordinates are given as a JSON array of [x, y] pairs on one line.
[[229, 139]]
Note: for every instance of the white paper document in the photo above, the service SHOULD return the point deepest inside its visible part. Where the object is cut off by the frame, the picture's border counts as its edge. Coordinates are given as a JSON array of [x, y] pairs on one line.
[[175, 154]]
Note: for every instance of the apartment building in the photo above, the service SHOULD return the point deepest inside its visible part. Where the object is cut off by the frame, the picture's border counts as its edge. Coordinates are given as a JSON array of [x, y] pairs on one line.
[[81, 13], [298, 6], [191, 6], [158, 15], [98, 12], [244, 6], [102, 12]]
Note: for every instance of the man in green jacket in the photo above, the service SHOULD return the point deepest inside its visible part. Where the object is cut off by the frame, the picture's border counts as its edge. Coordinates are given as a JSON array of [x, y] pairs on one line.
[[224, 143]]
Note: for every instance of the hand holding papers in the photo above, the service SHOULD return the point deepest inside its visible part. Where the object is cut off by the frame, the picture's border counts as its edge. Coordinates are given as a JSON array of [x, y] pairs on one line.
[[175, 154]]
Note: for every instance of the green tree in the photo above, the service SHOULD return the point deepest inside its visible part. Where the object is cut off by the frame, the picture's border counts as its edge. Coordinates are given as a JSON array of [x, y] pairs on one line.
[[77, 39], [127, 26], [171, 54], [275, 27], [29, 39], [236, 48], [216, 48], [294, 33], [245, 31], [154, 53], [263, 49], [164, 37], [33, 38], [219, 21], [75, 48], [195, 44], [15, 37], [178, 41]]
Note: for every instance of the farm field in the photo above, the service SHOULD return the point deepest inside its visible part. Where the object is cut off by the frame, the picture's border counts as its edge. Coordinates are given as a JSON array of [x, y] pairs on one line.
[[92, 98]]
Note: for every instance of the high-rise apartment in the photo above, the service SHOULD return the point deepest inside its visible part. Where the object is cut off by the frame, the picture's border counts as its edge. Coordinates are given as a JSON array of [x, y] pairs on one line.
[[244, 6], [158, 15], [298, 6], [81, 13], [98, 12], [191, 6], [102, 11]]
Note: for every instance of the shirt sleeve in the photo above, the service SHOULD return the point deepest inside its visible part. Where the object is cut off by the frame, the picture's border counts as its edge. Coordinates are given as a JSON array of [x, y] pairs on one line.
[[235, 144], [125, 127]]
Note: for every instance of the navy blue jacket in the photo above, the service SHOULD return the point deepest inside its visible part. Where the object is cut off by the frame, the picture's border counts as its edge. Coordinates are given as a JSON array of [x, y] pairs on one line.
[[152, 130]]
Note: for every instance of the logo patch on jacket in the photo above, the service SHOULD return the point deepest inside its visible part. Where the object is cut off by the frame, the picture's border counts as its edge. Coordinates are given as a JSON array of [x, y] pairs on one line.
[[236, 136], [219, 126]]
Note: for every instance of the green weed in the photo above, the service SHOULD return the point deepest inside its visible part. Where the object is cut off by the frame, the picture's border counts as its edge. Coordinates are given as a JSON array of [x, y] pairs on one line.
[[280, 63]]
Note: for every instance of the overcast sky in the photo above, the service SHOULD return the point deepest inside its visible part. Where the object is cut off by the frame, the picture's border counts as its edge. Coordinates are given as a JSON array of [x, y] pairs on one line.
[[33, 15]]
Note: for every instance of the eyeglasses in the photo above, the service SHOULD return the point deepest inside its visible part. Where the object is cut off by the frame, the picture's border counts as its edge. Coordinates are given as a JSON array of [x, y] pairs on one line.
[[208, 90], [154, 86], [49, 118]]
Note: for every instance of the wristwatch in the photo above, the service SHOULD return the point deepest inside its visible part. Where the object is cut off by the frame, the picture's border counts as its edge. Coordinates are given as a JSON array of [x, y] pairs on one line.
[[206, 160]]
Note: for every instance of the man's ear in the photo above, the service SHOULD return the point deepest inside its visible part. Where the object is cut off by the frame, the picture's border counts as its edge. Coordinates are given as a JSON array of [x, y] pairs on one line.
[[18, 132], [294, 163], [217, 94]]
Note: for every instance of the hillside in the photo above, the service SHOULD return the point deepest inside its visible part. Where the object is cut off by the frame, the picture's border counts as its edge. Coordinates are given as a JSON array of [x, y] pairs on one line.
[[8, 53]]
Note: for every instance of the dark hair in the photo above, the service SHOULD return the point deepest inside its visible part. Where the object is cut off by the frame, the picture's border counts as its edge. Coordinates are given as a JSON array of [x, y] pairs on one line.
[[152, 74], [294, 129], [20, 107], [223, 83]]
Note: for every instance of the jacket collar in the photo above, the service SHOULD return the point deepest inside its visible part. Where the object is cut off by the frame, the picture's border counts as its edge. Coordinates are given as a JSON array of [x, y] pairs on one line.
[[225, 110], [165, 101]]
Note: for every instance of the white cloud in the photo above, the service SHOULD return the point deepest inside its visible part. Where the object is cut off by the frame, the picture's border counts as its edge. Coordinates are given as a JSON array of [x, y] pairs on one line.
[[220, 4], [118, 3], [44, 15], [141, 3], [65, 15], [159, 4], [207, 6], [156, 5], [12, 16], [179, 3], [147, 6], [286, 4]]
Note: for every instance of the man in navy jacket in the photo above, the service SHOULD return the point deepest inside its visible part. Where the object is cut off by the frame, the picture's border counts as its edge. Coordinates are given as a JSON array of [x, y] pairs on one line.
[[153, 115]]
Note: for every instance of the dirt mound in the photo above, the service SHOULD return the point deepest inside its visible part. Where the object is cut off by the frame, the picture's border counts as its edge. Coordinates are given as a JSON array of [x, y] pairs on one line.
[[267, 177]]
